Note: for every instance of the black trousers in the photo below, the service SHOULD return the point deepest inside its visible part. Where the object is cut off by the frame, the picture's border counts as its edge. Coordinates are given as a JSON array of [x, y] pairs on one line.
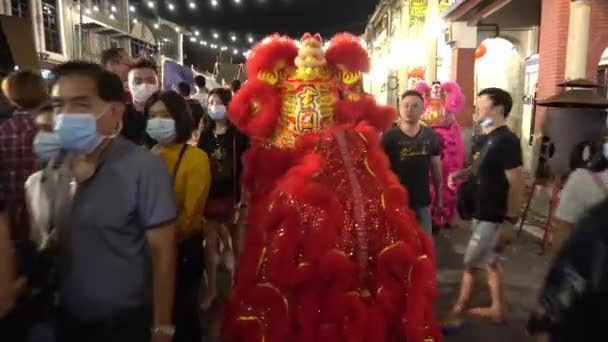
[[133, 325], [186, 313]]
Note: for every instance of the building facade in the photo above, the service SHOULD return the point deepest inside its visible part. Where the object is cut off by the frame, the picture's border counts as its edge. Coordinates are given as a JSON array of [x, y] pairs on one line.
[[66, 30]]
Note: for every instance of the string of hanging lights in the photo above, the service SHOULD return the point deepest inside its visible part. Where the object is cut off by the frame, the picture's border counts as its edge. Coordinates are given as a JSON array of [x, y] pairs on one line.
[[237, 44]]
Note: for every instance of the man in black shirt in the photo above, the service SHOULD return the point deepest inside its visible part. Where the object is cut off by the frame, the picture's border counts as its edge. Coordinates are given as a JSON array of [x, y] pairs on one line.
[[498, 181], [143, 83], [414, 152]]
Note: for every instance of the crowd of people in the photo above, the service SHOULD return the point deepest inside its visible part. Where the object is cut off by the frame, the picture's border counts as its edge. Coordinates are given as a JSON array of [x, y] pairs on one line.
[[122, 215]]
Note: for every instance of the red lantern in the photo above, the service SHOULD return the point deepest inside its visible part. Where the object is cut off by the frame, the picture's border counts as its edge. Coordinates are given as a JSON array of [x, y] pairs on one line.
[[481, 51]]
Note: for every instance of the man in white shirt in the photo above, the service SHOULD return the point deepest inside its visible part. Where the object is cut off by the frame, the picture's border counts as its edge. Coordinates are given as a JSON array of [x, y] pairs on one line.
[[202, 93], [583, 190]]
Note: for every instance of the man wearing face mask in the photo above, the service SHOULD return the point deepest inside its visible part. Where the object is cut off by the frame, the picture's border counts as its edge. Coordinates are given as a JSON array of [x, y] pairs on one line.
[[116, 263], [143, 81], [497, 194]]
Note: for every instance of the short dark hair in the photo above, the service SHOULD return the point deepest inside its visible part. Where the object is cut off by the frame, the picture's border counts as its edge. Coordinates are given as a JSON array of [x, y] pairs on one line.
[[184, 88], [109, 86], [224, 94], [200, 81], [500, 98], [26, 89], [112, 54], [144, 63], [235, 85], [178, 109], [412, 92]]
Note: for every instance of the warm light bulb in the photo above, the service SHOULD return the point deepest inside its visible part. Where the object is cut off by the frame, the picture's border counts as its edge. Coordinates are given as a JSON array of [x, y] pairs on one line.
[[192, 5], [156, 25], [216, 36], [214, 3], [250, 40], [192, 39], [235, 51], [96, 8], [112, 16], [135, 21], [113, 8], [132, 8], [151, 4], [196, 33], [87, 11], [233, 38], [171, 6]]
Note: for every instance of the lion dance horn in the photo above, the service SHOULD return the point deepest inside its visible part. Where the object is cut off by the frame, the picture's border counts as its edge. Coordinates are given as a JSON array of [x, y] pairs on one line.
[[455, 99]]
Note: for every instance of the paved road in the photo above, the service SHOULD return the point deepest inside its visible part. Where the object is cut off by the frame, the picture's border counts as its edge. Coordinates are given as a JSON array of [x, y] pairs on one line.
[[524, 273]]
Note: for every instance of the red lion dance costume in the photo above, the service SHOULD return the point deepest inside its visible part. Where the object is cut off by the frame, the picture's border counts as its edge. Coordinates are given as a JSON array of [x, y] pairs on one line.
[[332, 252], [442, 103]]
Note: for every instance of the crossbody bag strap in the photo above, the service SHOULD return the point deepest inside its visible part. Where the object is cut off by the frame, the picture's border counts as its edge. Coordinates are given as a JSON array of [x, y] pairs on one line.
[[482, 155], [179, 161]]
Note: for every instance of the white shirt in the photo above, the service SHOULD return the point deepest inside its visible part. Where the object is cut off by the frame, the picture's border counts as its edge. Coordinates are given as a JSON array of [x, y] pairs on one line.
[[202, 98], [581, 193]]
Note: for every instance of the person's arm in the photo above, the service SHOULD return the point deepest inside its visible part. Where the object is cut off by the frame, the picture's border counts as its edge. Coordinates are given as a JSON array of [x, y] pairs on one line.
[[196, 190], [157, 213], [515, 177], [513, 166], [570, 208], [10, 284], [162, 242]]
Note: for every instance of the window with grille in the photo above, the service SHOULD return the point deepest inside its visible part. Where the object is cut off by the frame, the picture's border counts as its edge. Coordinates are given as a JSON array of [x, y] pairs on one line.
[[142, 49], [20, 8], [50, 21]]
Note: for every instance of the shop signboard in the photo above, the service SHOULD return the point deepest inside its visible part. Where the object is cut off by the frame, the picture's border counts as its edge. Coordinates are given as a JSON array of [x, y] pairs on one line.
[[417, 12]]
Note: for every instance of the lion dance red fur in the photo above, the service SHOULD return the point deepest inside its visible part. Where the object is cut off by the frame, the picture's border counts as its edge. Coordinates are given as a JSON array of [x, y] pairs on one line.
[[332, 252]]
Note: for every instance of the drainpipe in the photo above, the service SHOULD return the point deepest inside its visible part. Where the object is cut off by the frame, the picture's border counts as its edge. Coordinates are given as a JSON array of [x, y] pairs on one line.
[[578, 39]]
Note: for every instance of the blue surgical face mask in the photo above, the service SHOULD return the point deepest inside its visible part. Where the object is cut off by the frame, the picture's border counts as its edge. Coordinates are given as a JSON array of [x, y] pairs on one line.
[[46, 145], [217, 112], [78, 132], [485, 123], [162, 130]]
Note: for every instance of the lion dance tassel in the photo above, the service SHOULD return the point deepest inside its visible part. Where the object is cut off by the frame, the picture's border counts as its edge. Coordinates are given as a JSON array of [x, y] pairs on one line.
[[332, 253]]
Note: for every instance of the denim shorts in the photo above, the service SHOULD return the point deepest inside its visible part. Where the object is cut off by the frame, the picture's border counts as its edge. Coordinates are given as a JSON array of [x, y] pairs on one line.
[[481, 250]]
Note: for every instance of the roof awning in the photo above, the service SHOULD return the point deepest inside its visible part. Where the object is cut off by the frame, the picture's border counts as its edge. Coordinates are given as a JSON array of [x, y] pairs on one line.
[[473, 10], [92, 25]]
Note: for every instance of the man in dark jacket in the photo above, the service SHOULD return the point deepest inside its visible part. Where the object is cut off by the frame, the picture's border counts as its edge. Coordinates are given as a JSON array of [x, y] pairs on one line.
[[573, 301]]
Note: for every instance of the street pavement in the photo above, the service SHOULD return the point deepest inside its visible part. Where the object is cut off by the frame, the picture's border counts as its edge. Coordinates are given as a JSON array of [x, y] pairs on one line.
[[524, 271]]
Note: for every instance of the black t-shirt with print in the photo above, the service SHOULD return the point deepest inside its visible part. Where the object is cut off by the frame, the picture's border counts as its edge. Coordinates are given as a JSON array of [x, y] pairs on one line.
[[410, 159], [225, 153], [501, 152]]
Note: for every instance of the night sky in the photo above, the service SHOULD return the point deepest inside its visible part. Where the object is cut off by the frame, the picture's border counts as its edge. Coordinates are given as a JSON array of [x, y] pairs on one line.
[[247, 20]]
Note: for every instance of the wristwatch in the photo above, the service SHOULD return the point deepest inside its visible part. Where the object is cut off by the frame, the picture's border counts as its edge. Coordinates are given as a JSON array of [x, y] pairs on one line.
[[164, 330], [512, 219]]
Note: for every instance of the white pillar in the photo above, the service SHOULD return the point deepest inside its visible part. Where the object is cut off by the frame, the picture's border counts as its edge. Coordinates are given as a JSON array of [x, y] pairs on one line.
[[578, 39], [432, 14], [180, 48]]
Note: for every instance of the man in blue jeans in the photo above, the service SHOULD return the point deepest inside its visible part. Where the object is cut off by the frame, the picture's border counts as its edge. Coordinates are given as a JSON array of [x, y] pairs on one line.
[[414, 150]]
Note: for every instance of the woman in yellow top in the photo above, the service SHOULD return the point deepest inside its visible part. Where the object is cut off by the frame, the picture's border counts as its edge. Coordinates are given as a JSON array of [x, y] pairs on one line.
[[170, 125]]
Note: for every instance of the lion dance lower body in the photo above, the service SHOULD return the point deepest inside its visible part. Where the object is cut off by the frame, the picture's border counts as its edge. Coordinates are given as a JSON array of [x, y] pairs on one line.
[[332, 252], [452, 160]]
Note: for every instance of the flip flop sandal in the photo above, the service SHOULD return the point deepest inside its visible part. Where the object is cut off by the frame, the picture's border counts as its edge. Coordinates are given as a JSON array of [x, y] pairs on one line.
[[451, 326], [486, 314]]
